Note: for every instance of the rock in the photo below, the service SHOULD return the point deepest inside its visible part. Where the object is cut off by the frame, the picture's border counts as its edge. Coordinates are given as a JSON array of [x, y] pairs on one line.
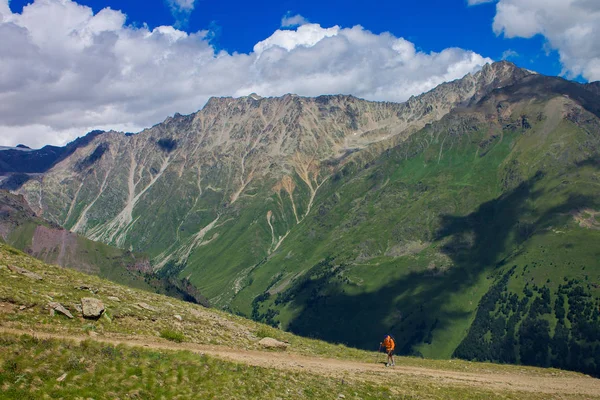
[[54, 306], [62, 377], [78, 308], [23, 271], [114, 298], [22, 308], [270, 343], [178, 317], [91, 308], [146, 307], [341, 396]]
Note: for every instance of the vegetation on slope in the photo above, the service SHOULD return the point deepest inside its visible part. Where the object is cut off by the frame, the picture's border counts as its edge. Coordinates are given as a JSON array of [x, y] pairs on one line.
[[30, 369], [415, 239]]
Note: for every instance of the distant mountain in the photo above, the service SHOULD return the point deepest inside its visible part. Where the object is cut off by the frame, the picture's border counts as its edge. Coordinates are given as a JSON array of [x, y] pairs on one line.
[[459, 220], [23, 159]]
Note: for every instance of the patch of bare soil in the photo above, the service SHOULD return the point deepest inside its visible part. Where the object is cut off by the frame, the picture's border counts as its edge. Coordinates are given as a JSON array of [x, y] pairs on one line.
[[560, 386], [587, 218], [7, 308]]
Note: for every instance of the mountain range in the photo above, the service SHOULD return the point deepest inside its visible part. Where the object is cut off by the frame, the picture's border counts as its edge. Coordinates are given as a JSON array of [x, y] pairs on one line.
[[465, 221]]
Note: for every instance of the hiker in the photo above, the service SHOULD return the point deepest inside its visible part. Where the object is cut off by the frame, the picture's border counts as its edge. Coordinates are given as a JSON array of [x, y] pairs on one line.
[[390, 344]]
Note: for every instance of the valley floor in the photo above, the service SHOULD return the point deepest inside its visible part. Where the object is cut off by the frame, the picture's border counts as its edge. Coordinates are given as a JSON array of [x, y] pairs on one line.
[[409, 381]]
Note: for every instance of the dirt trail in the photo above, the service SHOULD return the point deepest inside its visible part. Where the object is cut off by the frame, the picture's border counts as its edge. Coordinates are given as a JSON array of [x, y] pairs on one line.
[[513, 382]]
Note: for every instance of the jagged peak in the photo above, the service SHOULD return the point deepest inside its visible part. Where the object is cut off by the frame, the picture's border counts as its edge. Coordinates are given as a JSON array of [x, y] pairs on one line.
[[502, 70]]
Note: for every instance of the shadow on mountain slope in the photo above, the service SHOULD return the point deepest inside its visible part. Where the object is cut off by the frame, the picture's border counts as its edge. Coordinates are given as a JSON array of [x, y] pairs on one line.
[[425, 301]]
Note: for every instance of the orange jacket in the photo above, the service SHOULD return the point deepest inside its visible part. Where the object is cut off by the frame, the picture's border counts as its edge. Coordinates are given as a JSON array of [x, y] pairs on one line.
[[388, 343]]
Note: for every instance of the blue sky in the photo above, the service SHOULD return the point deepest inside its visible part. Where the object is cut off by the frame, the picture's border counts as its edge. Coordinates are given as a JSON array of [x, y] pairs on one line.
[[71, 66], [432, 25]]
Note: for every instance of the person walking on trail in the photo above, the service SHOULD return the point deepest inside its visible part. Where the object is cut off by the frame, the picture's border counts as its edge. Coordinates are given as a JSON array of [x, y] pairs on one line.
[[389, 345]]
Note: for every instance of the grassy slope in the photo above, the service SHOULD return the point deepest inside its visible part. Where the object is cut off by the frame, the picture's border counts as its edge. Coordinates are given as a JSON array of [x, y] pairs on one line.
[[29, 367]]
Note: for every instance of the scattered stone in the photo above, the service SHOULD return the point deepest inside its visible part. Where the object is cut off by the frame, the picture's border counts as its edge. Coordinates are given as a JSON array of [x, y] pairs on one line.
[[146, 307], [54, 306], [91, 308], [270, 343], [178, 317], [52, 312], [62, 377], [22, 308], [341, 396], [78, 308], [24, 272], [114, 298]]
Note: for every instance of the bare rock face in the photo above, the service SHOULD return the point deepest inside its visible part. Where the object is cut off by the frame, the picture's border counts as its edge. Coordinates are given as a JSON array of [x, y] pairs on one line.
[[270, 343], [91, 308]]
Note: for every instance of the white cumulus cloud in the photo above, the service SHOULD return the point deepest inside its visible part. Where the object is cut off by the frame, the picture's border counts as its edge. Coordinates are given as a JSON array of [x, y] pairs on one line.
[[572, 27], [65, 70]]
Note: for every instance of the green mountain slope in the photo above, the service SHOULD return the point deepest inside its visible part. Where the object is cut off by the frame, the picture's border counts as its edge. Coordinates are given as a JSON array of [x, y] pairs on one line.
[[504, 190]]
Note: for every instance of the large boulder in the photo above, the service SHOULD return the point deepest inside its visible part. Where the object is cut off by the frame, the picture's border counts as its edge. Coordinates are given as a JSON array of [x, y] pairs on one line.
[[91, 308], [270, 343]]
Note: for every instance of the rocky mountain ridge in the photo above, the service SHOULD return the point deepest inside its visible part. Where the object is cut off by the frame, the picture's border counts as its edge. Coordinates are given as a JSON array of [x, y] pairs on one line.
[[230, 149]]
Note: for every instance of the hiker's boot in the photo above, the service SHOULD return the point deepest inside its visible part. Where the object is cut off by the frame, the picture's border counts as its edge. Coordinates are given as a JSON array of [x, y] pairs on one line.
[[394, 364], [387, 364]]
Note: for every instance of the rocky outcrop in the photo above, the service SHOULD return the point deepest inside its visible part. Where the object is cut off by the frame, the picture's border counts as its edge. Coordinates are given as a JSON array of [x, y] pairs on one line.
[[54, 306], [92, 308]]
